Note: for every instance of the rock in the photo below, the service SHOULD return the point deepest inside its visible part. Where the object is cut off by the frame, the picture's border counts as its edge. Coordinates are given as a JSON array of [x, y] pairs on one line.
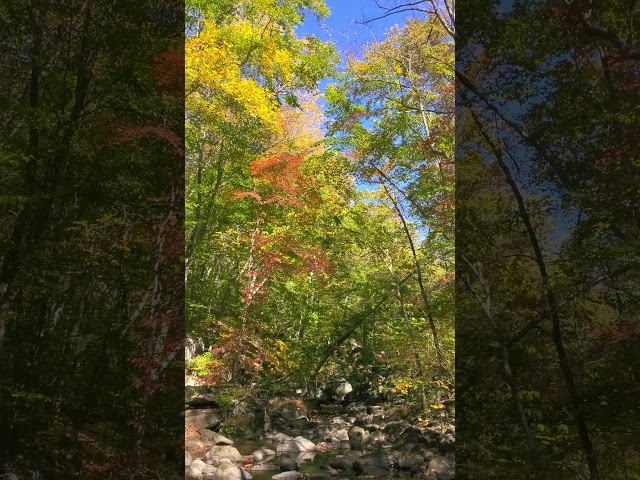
[[192, 348], [289, 412], [216, 438], [377, 419], [197, 445], [363, 419], [410, 461], [342, 434], [257, 456], [264, 467], [279, 424], [292, 475], [203, 418], [375, 410], [370, 462], [209, 470], [197, 463], [287, 463], [187, 458], [262, 454], [447, 443], [439, 465], [305, 457], [376, 438], [192, 472], [342, 463], [394, 430], [230, 471], [262, 421], [298, 444], [202, 401], [225, 451], [278, 437], [342, 389], [357, 436], [301, 423]]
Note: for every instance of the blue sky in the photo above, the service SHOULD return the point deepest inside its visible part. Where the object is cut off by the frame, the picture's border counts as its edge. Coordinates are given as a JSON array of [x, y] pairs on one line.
[[346, 28]]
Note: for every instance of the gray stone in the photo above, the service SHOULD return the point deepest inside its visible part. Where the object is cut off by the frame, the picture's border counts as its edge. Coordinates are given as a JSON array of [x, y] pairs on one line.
[[230, 471], [298, 444], [342, 435], [287, 463], [410, 461], [278, 437], [224, 451], [357, 435], [439, 465], [264, 467], [216, 438], [209, 470], [291, 475], [187, 459], [375, 410], [343, 463], [197, 463], [203, 418], [192, 472]]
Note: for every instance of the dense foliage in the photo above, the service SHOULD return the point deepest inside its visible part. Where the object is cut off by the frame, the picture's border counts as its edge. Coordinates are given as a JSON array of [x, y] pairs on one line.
[[319, 247], [91, 242], [547, 240]]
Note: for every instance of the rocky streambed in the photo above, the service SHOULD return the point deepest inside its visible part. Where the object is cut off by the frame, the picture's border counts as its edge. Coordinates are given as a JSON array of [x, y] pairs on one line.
[[288, 441]]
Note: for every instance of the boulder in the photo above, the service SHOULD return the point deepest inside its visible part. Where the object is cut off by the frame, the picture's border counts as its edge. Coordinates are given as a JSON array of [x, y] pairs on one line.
[[209, 470], [341, 434], [230, 471], [357, 436], [216, 438], [393, 430], [187, 458], [203, 418], [287, 463], [342, 389], [278, 437], [192, 472], [264, 467], [197, 463], [376, 438], [375, 410], [343, 463], [375, 460], [192, 348], [410, 461], [197, 444], [439, 466], [298, 444], [224, 451], [301, 423], [288, 412], [291, 475]]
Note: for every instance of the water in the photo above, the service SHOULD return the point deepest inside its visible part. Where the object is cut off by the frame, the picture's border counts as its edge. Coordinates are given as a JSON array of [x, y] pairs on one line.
[[316, 462]]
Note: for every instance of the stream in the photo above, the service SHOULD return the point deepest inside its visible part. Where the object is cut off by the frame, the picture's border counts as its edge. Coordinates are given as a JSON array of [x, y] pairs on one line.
[[293, 441]]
